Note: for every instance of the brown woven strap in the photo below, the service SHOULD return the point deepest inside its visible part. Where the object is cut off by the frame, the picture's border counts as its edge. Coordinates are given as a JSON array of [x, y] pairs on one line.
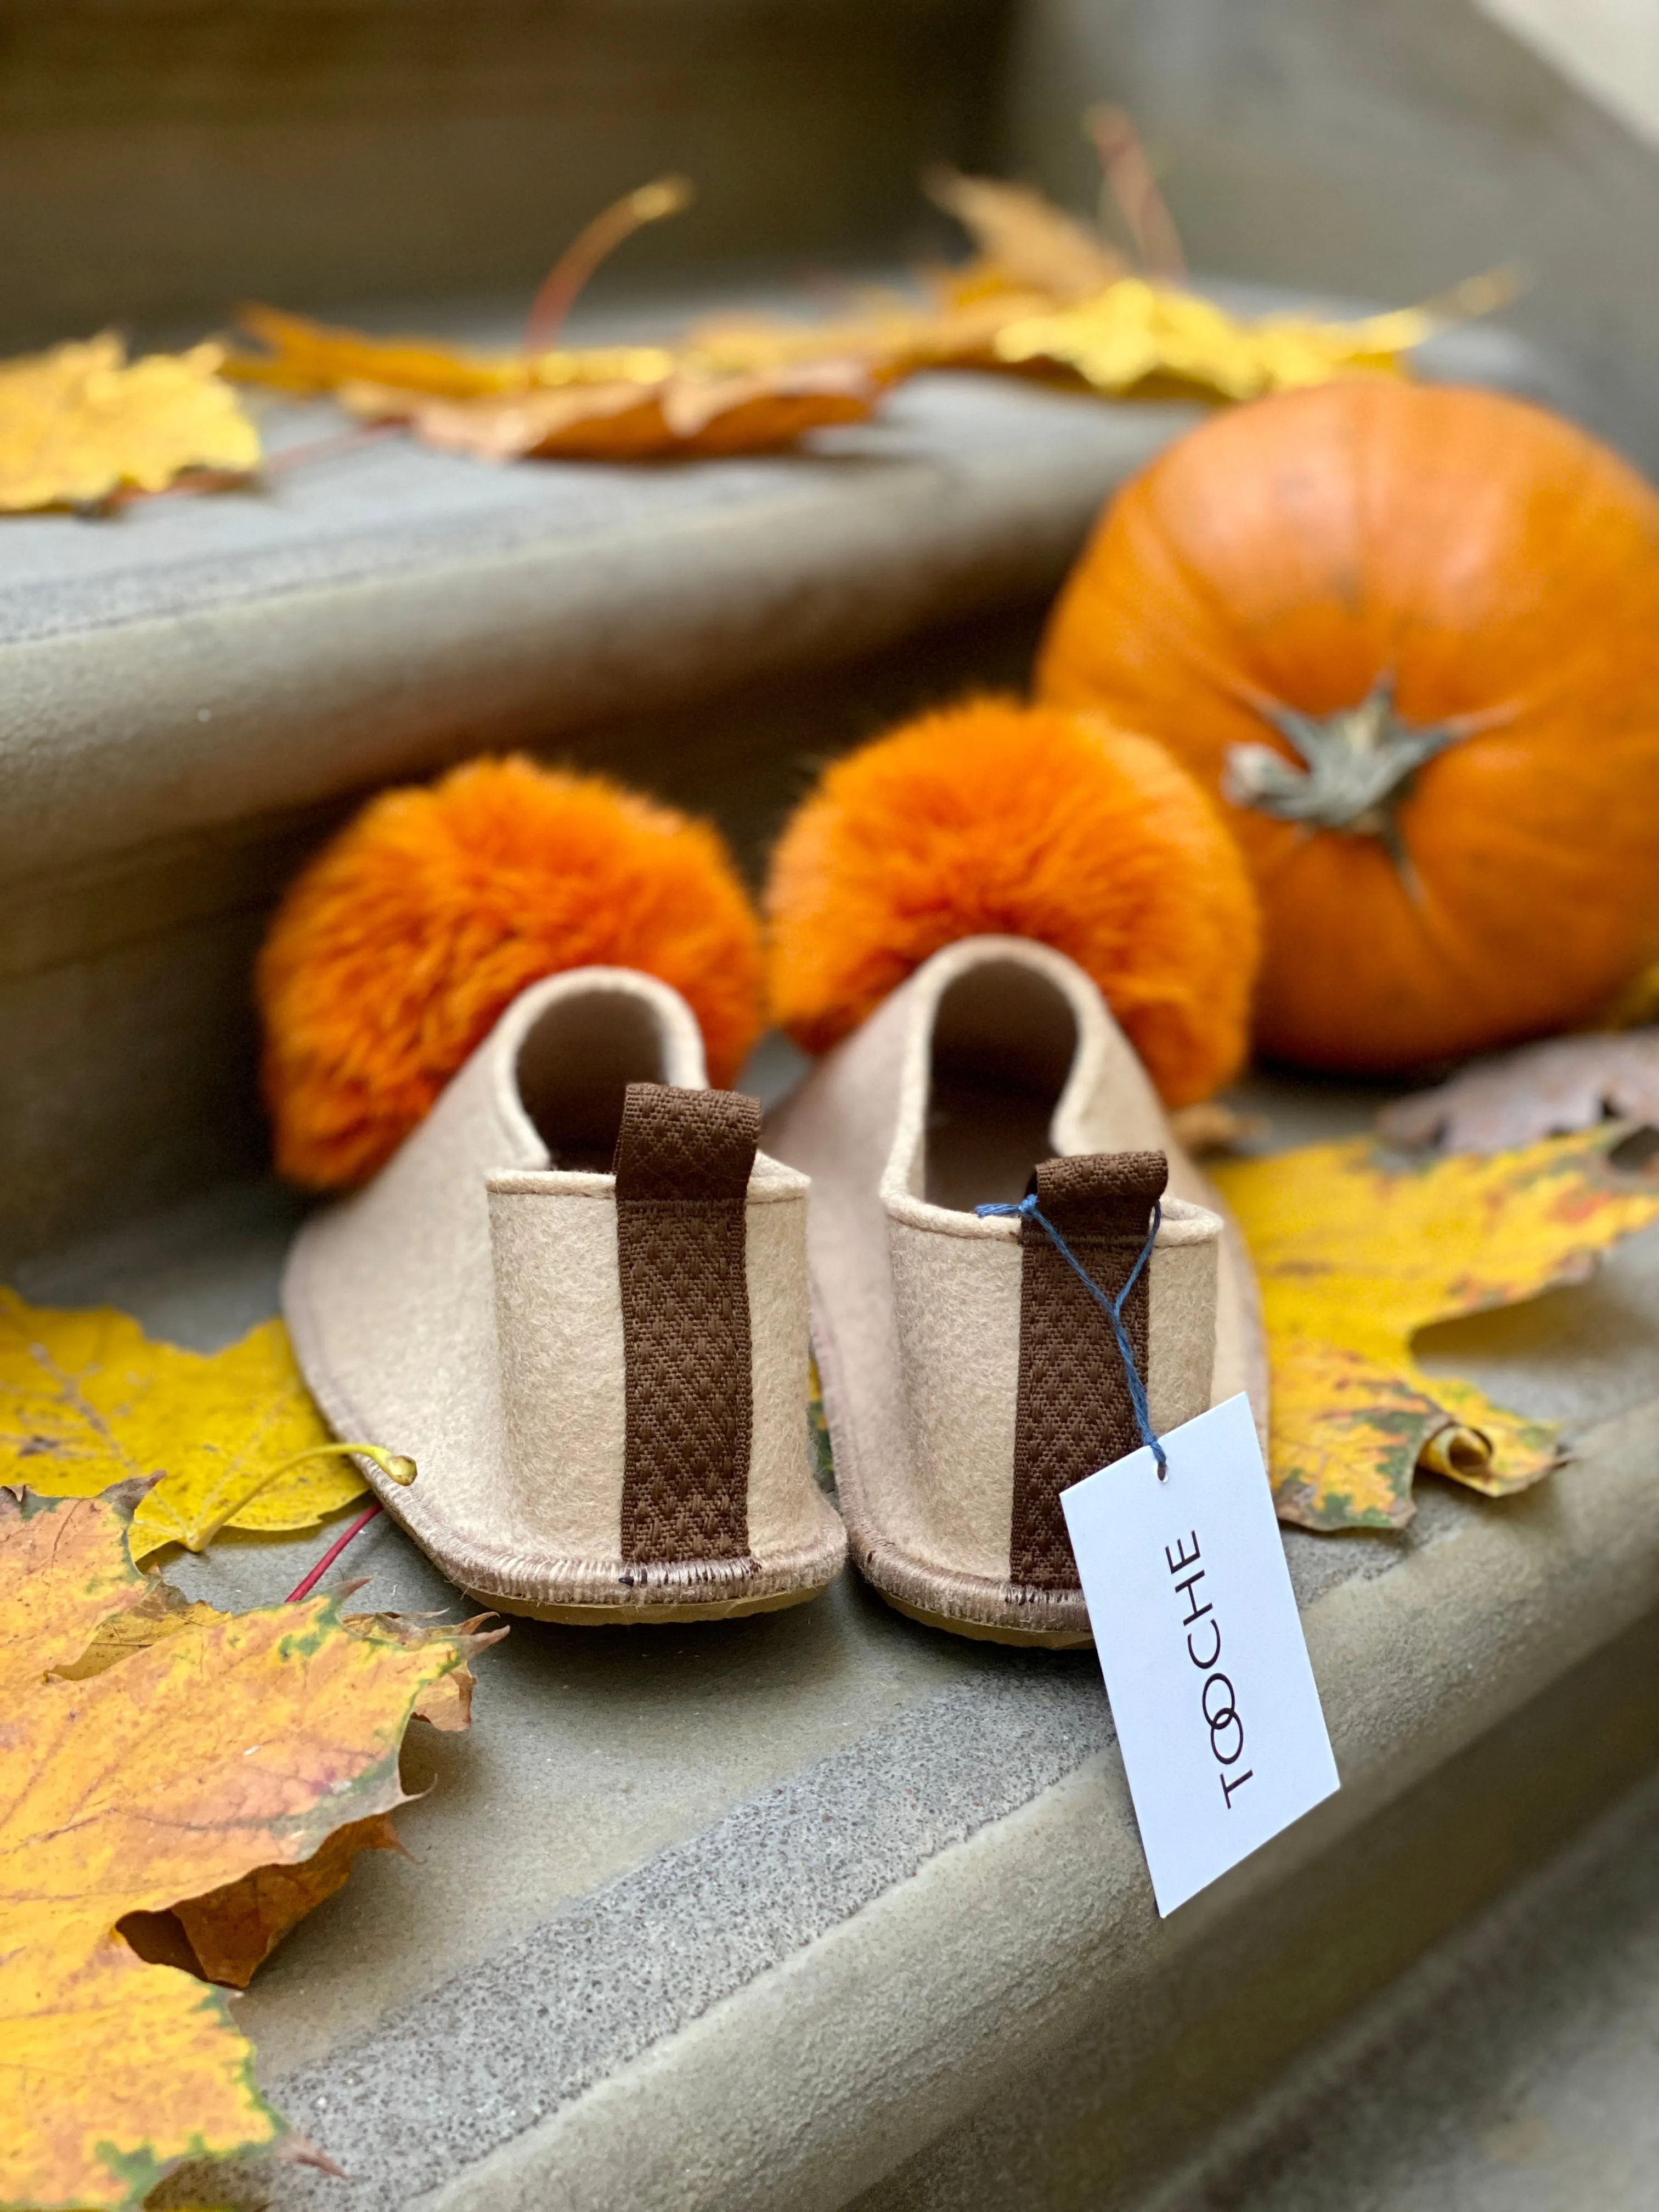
[[1073, 1412], [682, 1167]]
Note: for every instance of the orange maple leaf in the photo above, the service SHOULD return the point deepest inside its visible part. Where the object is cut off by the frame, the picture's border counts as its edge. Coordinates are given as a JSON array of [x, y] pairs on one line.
[[178, 1766]]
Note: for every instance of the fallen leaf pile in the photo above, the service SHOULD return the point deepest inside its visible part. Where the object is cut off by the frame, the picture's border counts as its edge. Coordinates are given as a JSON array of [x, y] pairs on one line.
[[158, 1759], [1357, 1248], [87, 1400], [81, 424], [613, 403], [608, 403], [1047, 292]]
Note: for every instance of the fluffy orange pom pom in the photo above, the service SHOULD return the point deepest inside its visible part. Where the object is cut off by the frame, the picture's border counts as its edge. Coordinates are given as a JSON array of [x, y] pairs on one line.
[[996, 818], [394, 952]]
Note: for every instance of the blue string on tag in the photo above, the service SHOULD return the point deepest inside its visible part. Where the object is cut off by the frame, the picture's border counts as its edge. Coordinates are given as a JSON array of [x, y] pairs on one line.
[[1029, 1210]]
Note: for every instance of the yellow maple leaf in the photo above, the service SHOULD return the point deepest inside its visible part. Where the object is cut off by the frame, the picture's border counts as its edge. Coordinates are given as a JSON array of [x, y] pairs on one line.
[[80, 422], [1358, 1248], [234, 1743], [87, 1400], [1134, 334], [300, 355]]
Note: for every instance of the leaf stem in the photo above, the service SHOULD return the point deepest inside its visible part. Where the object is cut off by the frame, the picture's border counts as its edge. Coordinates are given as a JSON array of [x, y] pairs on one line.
[[559, 287], [308, 1583], [397, 1468]]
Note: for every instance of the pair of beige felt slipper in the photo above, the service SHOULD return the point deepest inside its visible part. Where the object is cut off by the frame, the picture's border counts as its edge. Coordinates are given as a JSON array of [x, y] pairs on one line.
[[579, 1296]]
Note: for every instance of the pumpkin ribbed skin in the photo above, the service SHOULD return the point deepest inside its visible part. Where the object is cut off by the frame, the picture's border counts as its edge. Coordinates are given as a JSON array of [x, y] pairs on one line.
[[1503, 569]]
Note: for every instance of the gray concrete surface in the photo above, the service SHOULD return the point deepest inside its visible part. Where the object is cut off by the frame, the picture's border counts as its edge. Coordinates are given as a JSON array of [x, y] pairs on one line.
[[793, 1909], [199, 661], [1249, 2022], [1511, 2070]]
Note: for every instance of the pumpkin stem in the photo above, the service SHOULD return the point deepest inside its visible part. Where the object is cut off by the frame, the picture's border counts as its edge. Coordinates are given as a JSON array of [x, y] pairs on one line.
[[1357, 766]]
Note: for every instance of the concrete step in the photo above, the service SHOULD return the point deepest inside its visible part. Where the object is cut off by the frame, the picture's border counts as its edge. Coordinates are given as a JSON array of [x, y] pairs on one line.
[[825, 1907], [1510, 2070], [196, 691]]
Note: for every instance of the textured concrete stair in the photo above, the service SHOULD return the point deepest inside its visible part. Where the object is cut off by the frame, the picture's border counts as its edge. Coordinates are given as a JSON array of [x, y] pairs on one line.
[[1510, 2070], [194, 693], [824, 1908]]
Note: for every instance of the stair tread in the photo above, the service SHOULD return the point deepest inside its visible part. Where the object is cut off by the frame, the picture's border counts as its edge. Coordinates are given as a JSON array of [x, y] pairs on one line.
[[199, 659], [645, 1828]]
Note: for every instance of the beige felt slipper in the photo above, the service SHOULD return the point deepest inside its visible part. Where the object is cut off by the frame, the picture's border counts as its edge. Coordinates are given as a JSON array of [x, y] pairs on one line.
[[577, 1297], [967, 1376]]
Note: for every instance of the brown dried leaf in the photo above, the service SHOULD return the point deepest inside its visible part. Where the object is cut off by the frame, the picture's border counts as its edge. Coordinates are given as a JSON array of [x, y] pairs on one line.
[[1543, 1090], [680, 414], [1030, 243], [233, 1929], [447, 1704], [1130, 182]]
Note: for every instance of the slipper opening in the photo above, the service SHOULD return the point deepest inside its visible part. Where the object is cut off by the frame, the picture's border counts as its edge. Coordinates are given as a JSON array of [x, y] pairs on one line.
[[575, 1065], [1004, 1041]]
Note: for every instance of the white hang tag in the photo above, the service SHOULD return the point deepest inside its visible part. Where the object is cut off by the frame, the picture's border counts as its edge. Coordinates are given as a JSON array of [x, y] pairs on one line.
[[1206, 1665]]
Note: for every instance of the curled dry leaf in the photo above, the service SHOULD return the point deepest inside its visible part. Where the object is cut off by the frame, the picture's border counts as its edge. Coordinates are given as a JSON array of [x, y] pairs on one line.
[[87, 1400], [227, 1935], [81, 423], [1025, 242], [226, 1745], [1543, 1091], [637, 403], [447, 1704], [682, 413], [1357, 1249], [1211, 1126]]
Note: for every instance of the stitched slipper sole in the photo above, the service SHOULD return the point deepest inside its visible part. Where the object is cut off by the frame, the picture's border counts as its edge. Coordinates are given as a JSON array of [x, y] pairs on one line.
[[971, 1605], [1047, 1639], [650, 1616]]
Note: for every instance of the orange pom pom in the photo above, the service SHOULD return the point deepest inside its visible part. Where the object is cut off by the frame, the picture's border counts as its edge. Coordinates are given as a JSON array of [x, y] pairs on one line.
[[395, 951], [997, 819]]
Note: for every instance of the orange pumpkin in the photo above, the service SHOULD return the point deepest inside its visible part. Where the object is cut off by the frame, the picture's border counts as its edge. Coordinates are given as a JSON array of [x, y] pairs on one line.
[[1411, 635]]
